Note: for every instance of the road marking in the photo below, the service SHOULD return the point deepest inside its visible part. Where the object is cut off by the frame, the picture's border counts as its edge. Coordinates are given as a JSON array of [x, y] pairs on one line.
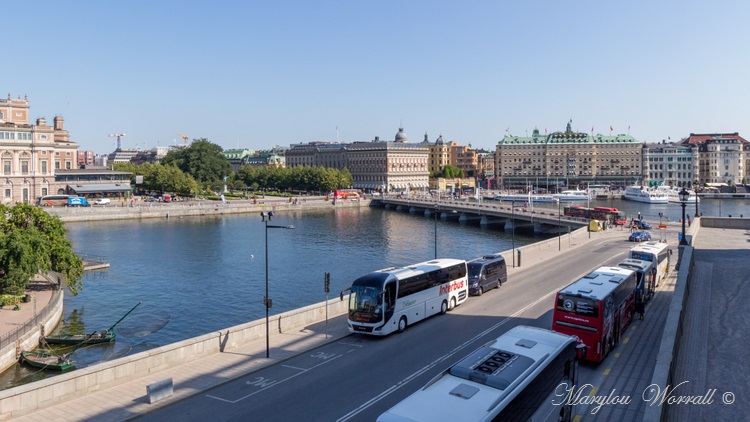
[[272, 384], [606, 371], [593, 391], [625, 340], [441, 359], [617, 355]]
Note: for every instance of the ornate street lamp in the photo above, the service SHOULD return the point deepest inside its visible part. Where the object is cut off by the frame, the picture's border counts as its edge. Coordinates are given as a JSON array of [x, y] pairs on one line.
[[437, 215], [684, 195], [266, 217]]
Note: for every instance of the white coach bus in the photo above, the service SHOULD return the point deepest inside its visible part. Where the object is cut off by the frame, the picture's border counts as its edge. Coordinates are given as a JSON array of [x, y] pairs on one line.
[[524, 375], [388, 300]]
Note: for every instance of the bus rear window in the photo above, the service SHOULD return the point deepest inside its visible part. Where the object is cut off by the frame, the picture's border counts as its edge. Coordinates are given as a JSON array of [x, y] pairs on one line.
[[578, 305], [643, 256]]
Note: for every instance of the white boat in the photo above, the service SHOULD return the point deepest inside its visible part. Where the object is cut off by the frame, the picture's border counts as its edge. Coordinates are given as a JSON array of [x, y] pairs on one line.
[[572, 195], [639, 194], [673, 194], [525, 198]]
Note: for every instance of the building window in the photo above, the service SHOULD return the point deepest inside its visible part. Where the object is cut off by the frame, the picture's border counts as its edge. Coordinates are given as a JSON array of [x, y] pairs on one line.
[[67, 165], [24, 167], [44, 166], [57, 165], [44, 191], [6, 167]]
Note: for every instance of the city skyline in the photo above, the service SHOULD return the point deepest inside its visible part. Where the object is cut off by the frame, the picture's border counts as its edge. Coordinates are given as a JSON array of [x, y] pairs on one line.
[[257, 75]]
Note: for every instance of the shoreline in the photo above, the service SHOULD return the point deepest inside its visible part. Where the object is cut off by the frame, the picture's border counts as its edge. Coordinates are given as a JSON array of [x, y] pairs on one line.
[[193, 208]]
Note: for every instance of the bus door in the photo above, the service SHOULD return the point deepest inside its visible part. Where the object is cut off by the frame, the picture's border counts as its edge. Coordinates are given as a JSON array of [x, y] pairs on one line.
[[389, 300]]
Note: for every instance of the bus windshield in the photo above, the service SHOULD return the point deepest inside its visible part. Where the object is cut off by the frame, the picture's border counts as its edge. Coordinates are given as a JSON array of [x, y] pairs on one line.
[[475, 269], [365, 304]]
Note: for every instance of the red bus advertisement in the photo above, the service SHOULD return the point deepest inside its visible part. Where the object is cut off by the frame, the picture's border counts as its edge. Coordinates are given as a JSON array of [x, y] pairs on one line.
[[596, 310], [613, 215], [346, 194]]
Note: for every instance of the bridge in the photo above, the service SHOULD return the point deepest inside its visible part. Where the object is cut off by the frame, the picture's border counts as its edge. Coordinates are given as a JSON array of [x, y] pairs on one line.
[[512, 215]]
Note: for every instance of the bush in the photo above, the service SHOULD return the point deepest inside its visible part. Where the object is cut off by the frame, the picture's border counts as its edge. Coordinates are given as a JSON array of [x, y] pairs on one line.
[[10, 300]]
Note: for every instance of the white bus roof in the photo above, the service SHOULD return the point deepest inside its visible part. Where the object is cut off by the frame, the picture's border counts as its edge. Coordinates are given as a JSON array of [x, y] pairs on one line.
[[598, 284], [467, 392], [638, 264], [653, 247], [409, 270]]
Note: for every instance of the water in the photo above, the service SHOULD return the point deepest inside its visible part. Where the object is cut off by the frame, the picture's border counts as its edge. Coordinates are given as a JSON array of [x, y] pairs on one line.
[[201, 274]]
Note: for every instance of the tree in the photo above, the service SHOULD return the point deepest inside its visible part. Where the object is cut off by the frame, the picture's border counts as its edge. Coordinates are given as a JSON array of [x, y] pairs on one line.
[[202, 159], [452, 172], [33, 242]]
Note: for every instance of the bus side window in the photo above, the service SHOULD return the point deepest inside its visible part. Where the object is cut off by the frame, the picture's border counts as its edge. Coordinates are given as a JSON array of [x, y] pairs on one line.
[[390, 294]]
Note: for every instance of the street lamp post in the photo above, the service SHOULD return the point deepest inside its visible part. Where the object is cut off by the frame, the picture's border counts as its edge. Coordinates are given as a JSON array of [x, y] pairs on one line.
[[266, 217], [437, 213], [683, 201], [513, 228], [559, 227], [696, 202]]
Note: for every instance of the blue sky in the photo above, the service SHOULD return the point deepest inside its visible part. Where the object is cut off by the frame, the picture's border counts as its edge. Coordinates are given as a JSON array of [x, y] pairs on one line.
[[259, 74]]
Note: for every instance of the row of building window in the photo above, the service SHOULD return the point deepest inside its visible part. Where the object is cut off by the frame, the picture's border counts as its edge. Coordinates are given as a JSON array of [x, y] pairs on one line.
[[8, 166]]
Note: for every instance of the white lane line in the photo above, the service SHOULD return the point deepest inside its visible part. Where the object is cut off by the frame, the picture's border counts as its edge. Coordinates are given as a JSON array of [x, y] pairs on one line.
[[275, 383], [441, 359]]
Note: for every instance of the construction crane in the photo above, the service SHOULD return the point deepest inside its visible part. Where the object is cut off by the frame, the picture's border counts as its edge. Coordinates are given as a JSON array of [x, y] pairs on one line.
[[183, 137], [118, 136]]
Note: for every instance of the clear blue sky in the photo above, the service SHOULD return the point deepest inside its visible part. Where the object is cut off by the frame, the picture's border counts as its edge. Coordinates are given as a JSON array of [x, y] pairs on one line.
[[258, 74]]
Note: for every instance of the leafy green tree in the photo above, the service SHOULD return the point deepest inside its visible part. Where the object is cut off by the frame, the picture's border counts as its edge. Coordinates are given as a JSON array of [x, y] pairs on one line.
[[201, 159], [452, 172], [33, 242]]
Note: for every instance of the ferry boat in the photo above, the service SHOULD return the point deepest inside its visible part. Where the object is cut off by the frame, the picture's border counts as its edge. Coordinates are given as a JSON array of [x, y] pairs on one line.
[[639, 194], [525, 198], [673, 194], [572, 195]]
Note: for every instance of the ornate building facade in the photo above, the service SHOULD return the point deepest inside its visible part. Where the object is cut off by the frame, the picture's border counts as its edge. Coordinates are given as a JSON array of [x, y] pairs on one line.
[[567, 158], [31, 153]]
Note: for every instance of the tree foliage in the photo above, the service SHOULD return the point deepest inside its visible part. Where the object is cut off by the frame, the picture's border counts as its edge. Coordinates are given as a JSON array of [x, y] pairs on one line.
[[201, 159], [33, 242], [161, 178], [303, 178], [452, 172]]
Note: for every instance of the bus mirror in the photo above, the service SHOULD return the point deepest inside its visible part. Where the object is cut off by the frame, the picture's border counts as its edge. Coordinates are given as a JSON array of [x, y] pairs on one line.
[[341, 296]]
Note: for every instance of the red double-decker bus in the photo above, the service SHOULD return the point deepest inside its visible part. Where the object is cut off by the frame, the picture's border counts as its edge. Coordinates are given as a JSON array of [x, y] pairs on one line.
[[596, 309], [597, 213]]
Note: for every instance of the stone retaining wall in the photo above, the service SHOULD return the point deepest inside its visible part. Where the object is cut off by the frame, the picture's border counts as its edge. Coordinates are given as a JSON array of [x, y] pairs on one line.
[[29, 397]]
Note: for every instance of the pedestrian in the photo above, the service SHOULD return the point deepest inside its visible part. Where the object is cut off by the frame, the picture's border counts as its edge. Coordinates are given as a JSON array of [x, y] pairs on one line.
[[640, 308]]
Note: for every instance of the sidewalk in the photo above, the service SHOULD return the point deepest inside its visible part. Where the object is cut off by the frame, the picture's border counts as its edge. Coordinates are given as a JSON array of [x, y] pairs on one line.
[[41, 291]]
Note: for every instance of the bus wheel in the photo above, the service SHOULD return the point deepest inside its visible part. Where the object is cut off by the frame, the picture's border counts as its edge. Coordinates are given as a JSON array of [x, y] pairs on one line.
[[444, 307], [402, 324], [453, 304]]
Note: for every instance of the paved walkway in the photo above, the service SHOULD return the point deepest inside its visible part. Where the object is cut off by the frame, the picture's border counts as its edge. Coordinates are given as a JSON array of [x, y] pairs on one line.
[[712, 357], [41, 291]]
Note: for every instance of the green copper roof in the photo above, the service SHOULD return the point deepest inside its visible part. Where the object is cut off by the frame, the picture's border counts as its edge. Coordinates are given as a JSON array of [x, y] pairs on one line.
[[571, 138]]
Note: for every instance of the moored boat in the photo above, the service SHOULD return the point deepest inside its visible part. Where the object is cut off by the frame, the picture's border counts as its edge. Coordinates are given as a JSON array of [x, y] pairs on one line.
[[525, 198], [46, 360], [639, 194], [106, 336], [572, 195], [673, 194]]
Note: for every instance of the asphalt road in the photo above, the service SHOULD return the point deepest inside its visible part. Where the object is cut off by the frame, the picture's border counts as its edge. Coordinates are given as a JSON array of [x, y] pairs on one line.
[[360, 377]]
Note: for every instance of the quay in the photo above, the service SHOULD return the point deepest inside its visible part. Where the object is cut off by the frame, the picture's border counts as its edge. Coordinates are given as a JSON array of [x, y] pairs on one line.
[[673, 346]]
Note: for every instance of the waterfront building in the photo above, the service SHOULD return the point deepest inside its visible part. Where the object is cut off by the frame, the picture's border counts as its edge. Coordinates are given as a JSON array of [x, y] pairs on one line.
[[236, 157], [32, 153], [94, 182], [574, 157], [723, 157], [374, 165], [485, 169], [439, 154], [465, 158], [670, 165]]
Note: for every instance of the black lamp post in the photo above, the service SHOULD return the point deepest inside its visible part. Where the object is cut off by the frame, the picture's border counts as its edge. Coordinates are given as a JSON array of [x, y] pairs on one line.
[[267, 300], [437, 214], [559, 227], [696, 202], [683, 201], [513, 227]]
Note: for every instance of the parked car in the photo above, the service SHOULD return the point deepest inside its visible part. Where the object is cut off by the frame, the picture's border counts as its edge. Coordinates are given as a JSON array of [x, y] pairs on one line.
[[101, 201], [642, 225], [150, 199], [639, 236], [487, 272]]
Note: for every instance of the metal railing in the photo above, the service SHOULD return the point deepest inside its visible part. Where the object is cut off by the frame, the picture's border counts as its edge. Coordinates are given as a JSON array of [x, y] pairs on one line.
[[32, 323]]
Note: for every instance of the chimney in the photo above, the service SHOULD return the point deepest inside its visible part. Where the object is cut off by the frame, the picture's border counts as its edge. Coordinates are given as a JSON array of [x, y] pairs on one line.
[[59, 122], [41, 121]]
